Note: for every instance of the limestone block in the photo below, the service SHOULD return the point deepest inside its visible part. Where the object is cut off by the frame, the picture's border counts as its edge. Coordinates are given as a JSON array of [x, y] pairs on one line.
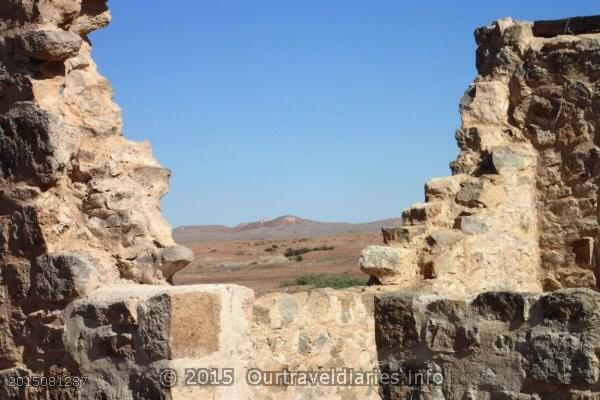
[[505, 159], [401, 234], [444, 238], [443, 188], [469, 194], [174, 258], [322, 328], [390, 265], [485, 102], [422, 212], [50, 45], [473, 225], [39, 161], [503, 306]]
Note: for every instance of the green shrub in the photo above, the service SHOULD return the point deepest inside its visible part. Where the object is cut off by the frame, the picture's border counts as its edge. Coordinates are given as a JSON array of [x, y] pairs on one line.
[[327, 280], [323, 247], [296, 252]]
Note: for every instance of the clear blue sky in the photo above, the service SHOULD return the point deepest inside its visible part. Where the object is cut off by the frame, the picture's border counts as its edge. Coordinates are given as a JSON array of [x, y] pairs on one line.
[[335, 110]]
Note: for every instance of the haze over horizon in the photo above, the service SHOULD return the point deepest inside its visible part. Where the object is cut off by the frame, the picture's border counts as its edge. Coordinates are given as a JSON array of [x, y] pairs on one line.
[[331, 111]]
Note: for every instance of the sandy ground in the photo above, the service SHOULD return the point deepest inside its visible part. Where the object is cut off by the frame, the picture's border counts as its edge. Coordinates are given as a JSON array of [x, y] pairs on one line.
[[250, 263]]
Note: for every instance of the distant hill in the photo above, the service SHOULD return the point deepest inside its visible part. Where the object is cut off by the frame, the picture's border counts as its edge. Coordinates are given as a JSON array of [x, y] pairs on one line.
[[284, 227]]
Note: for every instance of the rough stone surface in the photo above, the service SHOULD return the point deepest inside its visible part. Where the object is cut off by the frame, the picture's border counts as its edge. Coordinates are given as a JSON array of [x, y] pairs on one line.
[[55, 45], [79, 213], [123, 336], [316, 330], [389, 264], [498, 345], [524, 193], [86, 256], [519, 216]]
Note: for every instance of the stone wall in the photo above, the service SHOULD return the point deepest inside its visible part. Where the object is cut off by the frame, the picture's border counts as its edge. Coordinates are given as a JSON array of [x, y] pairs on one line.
[[315, 330], [520, 210], [79, 205], [498, 345], [519, 216], [123, 339], [86, 256]]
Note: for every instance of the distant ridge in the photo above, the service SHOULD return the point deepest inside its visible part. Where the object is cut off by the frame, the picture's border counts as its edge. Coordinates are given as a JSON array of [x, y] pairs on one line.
[[284, 220], [283, 227]]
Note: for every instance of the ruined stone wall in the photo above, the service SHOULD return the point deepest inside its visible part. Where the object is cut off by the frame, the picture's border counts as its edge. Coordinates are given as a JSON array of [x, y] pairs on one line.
[[520, 211], [522, 201], [554, 105], [316, 330], [497, 345], [80, 217], [86, 256]]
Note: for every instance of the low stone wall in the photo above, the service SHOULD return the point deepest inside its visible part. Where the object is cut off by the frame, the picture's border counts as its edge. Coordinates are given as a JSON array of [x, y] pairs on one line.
[[135, 342], [498, 345], [316, 330]]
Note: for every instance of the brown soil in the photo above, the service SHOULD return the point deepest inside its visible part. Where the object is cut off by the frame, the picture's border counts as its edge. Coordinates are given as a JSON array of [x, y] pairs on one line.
[[248, 263]]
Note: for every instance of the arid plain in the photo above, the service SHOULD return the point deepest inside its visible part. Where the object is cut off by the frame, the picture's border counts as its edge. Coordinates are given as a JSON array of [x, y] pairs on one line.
[[257, 255]]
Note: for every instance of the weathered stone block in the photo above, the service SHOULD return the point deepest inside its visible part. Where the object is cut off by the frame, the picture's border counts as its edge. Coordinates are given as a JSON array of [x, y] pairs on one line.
[[503, 306], [505, 159], [61, 277], [195, 324], [38, 161], [444, 238], [396, 321], [400, 234], [443, 188], [546, 353], [472, 225], [173, 259], [125, 335], [559, 358], [50, 45], [390, 265], [485, 103], [422, 212], [470, 194], [576, 306]]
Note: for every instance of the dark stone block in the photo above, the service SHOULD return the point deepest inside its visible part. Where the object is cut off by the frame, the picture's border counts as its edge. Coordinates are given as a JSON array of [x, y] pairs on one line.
[[28, 153], [395, 322], [503, 306], [567, 26]]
